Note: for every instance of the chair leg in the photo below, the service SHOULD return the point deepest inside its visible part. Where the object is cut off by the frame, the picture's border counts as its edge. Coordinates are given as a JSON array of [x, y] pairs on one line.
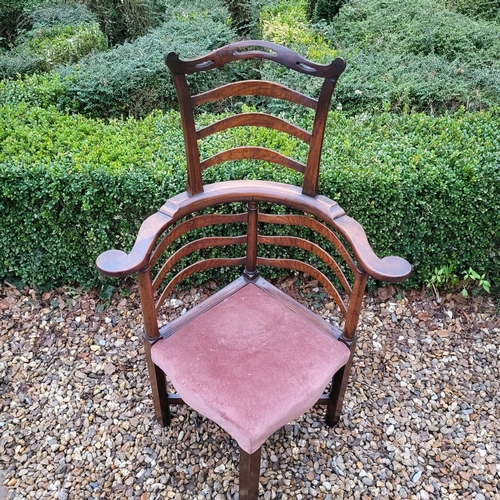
[[337, 391], [158, 388], [249, 474]]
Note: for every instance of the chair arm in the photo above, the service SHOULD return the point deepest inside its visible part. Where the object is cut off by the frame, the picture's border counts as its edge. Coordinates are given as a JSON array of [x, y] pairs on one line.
[[118, 264], [391, 268], [115, 263]]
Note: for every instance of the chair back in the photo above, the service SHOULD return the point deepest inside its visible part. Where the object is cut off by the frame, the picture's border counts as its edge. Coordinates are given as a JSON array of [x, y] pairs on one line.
[[254, 49]]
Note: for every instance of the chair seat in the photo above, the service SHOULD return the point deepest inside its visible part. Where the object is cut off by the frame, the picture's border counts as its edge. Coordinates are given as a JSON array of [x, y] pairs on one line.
[[251, 363]]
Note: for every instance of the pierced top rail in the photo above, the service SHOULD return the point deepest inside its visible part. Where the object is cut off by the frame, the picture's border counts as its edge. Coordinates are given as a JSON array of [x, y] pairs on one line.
[[235, 51]]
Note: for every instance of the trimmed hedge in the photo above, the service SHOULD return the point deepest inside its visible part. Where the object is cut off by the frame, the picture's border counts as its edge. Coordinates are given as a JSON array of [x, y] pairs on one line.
[[415, 55], [130, 79], [42, 49], [425, 188]]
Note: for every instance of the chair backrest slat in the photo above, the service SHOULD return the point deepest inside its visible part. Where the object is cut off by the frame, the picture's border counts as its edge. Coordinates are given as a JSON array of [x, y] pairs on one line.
[[254, 88], [292, 241], [303, 220], [193, 246], [254, 120], [253, 153], [201, 265], [196, 222], [298, 265]]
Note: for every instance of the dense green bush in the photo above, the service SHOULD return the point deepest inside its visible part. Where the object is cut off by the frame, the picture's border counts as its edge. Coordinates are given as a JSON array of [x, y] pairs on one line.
[[131, 79], [50, 13], [323, 10], [286, 23], [12, 18], [486, 9], [125, 20], [425, 188], [41, 49], [416, 55], [400, 55]]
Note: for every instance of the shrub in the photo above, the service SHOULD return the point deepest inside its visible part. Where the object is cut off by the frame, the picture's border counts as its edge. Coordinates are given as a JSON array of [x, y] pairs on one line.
[[40, 90], [50, 13], [323, 10], [131, 79], [396, 47], [486, 9], [287, 24], [425, 188], [12, 17], [242, 16], [78, 186], [125, 20], [45, 47]]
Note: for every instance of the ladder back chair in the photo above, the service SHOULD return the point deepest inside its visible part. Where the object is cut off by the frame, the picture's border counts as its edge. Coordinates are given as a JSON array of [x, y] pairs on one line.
[[251, 357]]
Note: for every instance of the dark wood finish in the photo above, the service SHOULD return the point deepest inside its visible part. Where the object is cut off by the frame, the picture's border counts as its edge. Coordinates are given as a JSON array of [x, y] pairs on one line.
[[249, 474], [252, 239], [253, 153], [310, 186], [254, 87], [302, 220], [337, 391], [201, 265], [191, 224], [161, 399], [193, 246], [254, 120], [298, 265], [254, 49], [180, 215], [274, 52]]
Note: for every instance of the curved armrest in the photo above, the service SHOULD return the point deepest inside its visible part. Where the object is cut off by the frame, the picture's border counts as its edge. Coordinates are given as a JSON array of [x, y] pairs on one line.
[[390, 268], [118, 264]]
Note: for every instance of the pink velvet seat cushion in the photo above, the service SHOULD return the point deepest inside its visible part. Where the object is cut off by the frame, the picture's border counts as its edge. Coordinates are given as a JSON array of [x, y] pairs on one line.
[[250, 364]]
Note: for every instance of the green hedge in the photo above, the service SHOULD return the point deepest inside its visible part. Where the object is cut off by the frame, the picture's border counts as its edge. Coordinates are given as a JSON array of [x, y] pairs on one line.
[[415, 55], [401, 55], [131, 79], [425, 188], [42, 49]]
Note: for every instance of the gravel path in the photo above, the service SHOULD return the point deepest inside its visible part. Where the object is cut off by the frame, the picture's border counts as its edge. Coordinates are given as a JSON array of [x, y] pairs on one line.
[[421, 418]]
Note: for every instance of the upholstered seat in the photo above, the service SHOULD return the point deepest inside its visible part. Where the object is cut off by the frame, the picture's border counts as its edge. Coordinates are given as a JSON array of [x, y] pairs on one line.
[[251, 363]]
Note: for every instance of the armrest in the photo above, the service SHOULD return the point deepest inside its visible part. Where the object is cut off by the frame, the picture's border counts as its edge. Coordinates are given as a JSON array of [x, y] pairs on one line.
[[391, 268], [118, 264]]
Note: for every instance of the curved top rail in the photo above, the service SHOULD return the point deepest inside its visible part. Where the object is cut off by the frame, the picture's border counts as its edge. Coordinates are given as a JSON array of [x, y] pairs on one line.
[[116, 263], [276, 53]]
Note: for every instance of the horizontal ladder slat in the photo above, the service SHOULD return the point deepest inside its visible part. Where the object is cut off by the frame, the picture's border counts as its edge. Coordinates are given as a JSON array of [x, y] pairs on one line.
[[254, 120], [254, 87], [253, 153]]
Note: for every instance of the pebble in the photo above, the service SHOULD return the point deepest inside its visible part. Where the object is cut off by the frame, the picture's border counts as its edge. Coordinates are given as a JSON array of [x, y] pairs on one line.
[[76, 417]]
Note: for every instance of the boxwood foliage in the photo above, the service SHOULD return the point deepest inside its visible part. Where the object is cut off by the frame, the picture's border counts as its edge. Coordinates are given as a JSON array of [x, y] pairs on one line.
[[44, 48], [400, 55], [425, 188], [131, 79], [415, 55]]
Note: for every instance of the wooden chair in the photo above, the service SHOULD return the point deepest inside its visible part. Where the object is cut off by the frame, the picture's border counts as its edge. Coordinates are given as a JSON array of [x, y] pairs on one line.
[[250, 357]]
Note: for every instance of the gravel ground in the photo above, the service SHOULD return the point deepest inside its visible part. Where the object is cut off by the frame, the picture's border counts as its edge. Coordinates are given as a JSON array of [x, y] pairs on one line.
[[421, 416]]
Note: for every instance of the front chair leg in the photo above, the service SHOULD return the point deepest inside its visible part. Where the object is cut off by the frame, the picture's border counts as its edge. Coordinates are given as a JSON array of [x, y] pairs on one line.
[[337, 391], [249, 474], [158, 389]]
